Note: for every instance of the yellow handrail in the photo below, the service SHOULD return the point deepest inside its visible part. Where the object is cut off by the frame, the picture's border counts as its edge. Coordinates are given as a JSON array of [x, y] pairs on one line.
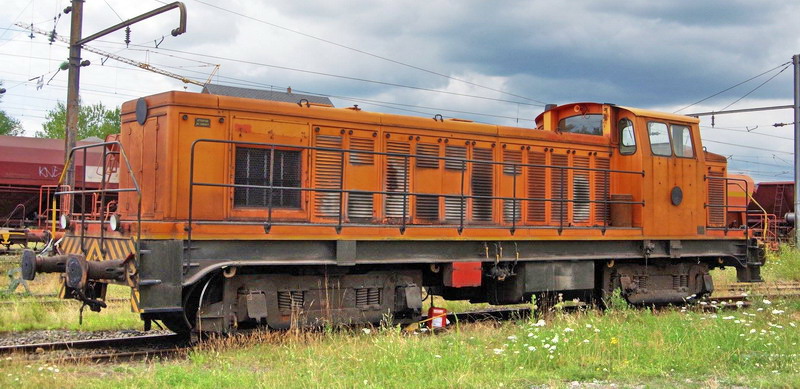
[[766, 215]]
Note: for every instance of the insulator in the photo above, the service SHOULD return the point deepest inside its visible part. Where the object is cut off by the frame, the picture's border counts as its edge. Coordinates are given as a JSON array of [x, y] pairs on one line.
[[127, 36]]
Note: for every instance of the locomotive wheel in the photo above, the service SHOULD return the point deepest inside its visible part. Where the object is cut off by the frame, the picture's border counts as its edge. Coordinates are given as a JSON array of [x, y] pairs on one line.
[[176, 323], [184, 322]]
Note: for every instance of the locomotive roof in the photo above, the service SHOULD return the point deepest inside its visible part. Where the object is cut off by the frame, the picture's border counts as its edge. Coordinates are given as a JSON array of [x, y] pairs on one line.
[[635, 111], [243, 103], [664, 115], [261, 94]]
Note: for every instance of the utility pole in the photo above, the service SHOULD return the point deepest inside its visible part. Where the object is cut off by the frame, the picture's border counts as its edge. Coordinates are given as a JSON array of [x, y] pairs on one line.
[[75, 64], [796, 62], [73, 89]]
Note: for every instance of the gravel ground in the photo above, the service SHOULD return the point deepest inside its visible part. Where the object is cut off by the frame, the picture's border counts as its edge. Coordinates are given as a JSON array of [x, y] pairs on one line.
[[44, 336]]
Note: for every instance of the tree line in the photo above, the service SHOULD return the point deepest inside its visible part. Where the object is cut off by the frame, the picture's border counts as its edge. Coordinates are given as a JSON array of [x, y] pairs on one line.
[[93, 120]]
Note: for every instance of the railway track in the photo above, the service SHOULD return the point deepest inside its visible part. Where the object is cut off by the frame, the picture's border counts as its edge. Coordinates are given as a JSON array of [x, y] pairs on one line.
[[45, 300], [741, 291], [52, 301], [119, 349], [143, 347]]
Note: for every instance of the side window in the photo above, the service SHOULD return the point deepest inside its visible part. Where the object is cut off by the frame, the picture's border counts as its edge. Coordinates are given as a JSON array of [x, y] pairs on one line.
[[682, 141], [591, 124], [253, 168], [659, 139], [627, 141]]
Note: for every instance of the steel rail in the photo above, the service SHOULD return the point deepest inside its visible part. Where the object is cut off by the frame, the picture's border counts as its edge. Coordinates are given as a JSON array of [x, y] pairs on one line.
[[94, 343]]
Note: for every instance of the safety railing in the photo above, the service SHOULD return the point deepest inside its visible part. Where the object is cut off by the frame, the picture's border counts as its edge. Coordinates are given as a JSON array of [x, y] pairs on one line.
[[14, 212], [108, 149], [743, 185], [562, 201]]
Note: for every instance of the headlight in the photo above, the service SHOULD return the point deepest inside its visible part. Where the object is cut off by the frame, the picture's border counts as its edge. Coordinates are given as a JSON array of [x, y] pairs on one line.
[[64, 221], [114, 223]]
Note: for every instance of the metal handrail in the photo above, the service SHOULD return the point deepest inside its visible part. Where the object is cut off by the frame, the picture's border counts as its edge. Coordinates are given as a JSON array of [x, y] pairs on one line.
[[102, 191], [405, 193], [725, 205], [13, 211]]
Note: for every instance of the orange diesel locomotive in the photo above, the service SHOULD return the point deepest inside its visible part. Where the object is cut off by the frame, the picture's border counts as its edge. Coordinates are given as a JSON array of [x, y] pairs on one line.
[[236, 211]]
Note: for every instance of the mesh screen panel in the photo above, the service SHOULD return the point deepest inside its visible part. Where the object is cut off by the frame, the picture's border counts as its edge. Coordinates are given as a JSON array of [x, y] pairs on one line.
[[252, 168]]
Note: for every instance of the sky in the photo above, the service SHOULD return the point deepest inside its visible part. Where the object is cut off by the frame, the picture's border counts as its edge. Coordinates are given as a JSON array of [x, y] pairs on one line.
[[490, 61]]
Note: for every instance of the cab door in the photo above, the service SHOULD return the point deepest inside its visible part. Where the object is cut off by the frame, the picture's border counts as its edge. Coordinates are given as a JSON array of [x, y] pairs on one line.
[[673, 180]]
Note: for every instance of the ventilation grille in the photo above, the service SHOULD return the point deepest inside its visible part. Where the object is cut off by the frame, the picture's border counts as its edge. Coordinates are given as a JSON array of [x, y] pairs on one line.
[[359, 206], [252, 168], [482, 182], [512, 210], [427, 150], [427, 207], [289, 301], [559, 190], [601, 190], [459, 152], [537, 187], [362, 144], [453, 208], [368, 297], [716, 198], [515, 157], [327, 175], [581, 190], [396, 176]]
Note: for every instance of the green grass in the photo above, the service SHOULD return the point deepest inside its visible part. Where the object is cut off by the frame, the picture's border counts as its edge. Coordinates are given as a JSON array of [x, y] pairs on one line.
[[756, 347], [25, 313], [783, 265]]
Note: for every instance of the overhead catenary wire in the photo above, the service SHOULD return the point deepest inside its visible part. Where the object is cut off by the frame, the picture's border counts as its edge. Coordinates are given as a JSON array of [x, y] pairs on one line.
[[359, 79], [232, 81], [206, 55], [376, 102], [415, 67], [385, 104], [748, 147], [732, 87], [746, 132], [756, 88], [749, 162]]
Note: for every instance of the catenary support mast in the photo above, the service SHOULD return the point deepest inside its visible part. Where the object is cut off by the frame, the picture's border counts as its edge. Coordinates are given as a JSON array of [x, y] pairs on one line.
[[796, 62]]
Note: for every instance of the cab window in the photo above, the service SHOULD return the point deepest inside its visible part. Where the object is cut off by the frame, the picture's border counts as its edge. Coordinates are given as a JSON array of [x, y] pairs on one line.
[[659, 139], [627, 141], [591, 124], [682, 141]]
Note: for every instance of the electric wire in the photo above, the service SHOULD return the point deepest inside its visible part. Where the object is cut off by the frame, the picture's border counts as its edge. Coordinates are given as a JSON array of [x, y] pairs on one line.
[[365, 52], [359, 79], [748, 147], [756, 88], [746, 132], [384, 104], [734, 86]]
